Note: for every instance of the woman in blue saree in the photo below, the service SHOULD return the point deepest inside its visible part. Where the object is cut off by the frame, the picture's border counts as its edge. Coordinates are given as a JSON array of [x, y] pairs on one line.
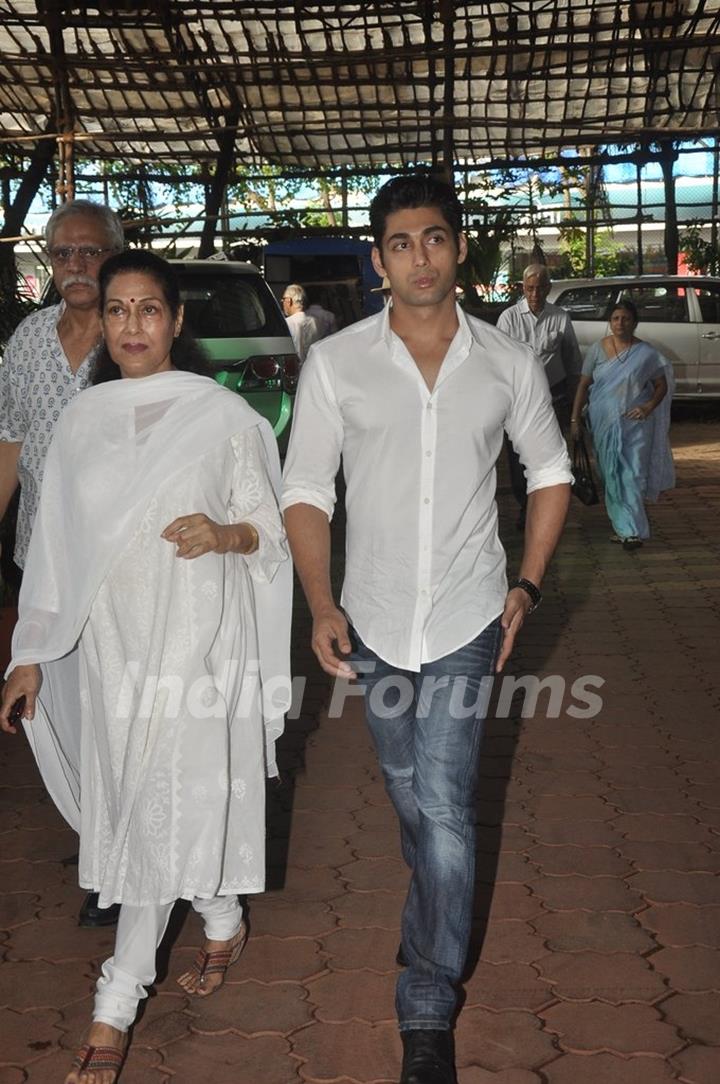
[[630, 387]]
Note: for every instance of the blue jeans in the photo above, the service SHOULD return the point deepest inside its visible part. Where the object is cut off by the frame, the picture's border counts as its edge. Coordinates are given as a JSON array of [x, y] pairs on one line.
[[427, 729]]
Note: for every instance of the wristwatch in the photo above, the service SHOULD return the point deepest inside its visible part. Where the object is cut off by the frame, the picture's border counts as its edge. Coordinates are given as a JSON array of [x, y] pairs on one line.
[[532, 590]]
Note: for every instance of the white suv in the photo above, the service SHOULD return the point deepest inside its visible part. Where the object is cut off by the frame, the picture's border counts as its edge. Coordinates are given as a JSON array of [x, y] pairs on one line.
[[679, 315]]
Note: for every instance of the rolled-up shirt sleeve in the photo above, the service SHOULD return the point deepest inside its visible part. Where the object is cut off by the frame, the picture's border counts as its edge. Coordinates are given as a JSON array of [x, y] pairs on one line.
[[316, 441], [533, 429]]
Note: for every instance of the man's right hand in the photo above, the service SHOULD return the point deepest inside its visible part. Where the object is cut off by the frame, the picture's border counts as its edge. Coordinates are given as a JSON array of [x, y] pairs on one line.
[[330, 636]]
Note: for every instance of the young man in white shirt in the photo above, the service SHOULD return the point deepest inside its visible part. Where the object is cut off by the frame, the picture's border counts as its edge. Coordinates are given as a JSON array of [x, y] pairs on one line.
[[415, 401]]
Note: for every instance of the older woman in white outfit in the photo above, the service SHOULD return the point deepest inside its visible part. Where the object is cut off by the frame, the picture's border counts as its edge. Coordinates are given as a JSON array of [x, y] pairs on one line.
[[159, 549]]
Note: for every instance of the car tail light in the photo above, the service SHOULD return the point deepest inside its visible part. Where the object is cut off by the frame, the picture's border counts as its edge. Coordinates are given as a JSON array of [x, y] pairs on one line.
[[290, 372], [271, 372], [265, 368]]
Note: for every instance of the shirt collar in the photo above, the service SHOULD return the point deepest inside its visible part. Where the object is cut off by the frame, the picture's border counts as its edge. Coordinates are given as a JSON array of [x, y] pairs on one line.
[[457, 351]]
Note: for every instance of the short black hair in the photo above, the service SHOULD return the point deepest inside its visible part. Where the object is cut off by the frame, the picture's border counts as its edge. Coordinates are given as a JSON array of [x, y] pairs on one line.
[[186, 353], [411, 190]]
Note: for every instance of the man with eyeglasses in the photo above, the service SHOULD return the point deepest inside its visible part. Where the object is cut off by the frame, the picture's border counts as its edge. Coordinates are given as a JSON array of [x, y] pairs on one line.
[[303, 328], [46, 363]]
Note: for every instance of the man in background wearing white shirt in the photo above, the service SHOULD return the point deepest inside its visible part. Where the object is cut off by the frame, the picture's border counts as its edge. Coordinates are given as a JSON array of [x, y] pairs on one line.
[[548, 330], [303, 328], [414, 401]]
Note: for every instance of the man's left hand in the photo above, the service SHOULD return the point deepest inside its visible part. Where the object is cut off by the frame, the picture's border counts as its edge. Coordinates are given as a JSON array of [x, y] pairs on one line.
[[517, 607]]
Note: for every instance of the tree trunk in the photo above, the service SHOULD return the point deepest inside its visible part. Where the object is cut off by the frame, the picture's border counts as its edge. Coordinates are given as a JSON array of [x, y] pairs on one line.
[[16, 212]]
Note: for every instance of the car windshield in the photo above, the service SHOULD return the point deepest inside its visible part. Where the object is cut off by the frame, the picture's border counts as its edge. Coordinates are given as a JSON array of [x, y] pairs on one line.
[[223, 305]]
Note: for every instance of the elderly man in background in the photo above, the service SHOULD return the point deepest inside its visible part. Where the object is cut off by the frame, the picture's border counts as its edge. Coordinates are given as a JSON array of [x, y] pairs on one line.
[[303, 328], [548, 330], [48, 360], [325, 320]]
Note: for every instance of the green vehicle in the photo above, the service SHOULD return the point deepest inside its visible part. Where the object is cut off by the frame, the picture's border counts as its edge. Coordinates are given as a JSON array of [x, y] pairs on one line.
[[233, 313]]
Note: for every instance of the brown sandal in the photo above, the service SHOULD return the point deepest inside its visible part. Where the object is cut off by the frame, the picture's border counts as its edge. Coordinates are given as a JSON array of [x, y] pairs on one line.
[[99, 1059], [218, 961]]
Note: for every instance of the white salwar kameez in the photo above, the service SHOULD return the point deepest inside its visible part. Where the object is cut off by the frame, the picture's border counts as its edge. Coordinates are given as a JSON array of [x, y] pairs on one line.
[[175, 657]]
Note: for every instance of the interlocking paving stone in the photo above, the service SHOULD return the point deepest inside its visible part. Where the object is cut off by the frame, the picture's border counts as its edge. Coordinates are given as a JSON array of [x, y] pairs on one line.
[[691, 968], [231, 1059], [678, 924], [507, 986], [616, 977], [586, 861], [473, 1074], [623, 1029], [252, 1007], [591, 893], [279, 959], [38, 984], [577, 931], [502, 1040], [607, 1069], [58, 939], [342, 996], [685, 857], [699, 1064], [677, 887], [695, 1015], [349, 1052], [657, 827], [371, 874], [282, 918], [509, 940], [514, 901], [369, 909], [28, 1036], [575, 833], [348, 949]]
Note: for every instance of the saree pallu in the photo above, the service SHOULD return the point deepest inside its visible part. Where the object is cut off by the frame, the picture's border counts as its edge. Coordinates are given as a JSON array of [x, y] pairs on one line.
[[634, 457]]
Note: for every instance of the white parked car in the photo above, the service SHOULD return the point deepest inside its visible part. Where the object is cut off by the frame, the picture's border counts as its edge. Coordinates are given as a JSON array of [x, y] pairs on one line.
[[679, 315]]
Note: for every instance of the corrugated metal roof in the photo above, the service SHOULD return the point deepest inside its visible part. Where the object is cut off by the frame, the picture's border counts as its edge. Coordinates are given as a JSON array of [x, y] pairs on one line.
[[315, 85]]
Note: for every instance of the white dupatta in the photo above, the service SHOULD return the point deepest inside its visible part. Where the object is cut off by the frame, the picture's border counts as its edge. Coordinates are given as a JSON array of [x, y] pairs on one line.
[[113, 447]]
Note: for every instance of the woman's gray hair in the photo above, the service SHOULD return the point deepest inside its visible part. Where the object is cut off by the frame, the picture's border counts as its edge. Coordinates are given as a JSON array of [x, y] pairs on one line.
[[105, 217]]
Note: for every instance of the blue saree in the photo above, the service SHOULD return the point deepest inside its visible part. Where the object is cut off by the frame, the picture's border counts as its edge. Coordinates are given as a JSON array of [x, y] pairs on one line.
[[633, 457]]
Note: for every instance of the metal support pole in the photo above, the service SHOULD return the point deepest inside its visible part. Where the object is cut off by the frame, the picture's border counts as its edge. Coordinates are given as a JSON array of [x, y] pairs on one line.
[[638, 175]]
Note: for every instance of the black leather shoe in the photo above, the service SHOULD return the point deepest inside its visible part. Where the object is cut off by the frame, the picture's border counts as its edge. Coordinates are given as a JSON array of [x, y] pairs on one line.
[[92, 915], [428, 1057]]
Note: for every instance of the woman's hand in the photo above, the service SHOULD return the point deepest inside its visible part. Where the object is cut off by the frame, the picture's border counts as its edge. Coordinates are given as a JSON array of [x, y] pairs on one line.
[[640, 412], [576, 428], [23, 681], [195, 535], [198, 534]]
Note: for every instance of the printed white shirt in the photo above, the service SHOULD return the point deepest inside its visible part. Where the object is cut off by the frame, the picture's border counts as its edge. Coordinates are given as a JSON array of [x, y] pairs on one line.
[[36, 384], [425, 569], [551, 336]]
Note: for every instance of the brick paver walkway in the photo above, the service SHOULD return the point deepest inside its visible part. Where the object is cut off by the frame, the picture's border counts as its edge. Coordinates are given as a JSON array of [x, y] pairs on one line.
[[596, 958]]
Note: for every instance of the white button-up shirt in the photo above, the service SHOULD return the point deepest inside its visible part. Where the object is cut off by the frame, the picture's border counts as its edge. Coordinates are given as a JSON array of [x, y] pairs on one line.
[[551, 336], [304, 331], [425, 570], [36, 384]]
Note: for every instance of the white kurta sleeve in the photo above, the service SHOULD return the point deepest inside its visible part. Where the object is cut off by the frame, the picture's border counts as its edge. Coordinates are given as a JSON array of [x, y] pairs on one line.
[[253, 501]]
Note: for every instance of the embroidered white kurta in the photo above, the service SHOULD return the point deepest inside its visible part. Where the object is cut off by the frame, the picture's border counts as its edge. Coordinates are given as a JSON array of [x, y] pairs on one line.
[[172, 747]]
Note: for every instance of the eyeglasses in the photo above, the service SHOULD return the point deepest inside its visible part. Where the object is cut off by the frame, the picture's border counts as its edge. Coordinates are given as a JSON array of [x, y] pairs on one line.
[[64, 253]]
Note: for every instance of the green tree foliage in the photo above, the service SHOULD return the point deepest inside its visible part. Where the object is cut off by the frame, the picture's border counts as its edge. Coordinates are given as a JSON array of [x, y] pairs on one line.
[[701, 255]]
